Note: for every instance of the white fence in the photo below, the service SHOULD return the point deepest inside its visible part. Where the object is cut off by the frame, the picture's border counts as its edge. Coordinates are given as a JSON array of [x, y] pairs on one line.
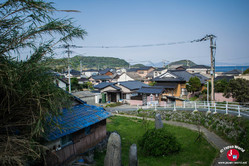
[[228, 106]]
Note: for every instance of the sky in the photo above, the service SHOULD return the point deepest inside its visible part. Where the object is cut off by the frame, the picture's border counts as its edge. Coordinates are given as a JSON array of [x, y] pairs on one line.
[[141, 22]]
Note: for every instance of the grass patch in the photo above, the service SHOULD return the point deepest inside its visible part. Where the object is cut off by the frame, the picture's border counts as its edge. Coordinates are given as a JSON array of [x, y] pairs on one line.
[[131, 130]]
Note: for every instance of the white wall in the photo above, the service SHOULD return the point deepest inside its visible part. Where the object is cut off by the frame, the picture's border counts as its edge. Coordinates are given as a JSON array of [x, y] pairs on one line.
[[124, 77]]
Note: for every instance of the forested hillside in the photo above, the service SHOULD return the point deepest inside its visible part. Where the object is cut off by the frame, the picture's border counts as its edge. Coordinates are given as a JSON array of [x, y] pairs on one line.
[[88, 62]]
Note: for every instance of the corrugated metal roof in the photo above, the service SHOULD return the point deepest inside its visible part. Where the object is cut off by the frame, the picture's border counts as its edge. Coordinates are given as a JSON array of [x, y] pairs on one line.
[[74, 119]]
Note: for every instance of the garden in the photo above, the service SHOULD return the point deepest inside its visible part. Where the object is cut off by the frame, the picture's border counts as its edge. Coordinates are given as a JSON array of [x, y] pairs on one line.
[[190, 148]]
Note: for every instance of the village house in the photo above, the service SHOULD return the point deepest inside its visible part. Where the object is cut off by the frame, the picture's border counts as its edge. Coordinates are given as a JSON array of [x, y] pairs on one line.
[[149, 95], [174, 82], [202, 69], [81, 128], [73, 74], [129, 76], [119, 91], [107, 71], [234, 72], [61, 82], [159, 71], [96, 79], [90, 72]]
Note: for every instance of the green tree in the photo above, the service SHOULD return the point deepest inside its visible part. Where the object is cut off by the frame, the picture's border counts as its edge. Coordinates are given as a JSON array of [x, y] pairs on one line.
[[246, 71], [220, 85], [74, 83], [194, 84], [238, 89], [28, 95], [152, 83]]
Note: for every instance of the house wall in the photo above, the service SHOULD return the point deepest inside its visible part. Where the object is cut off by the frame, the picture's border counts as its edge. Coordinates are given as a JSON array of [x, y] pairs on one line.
[[245, 76], [123, 89], [109, 73], [89, 74], [145, 72], [124, 77], [109, 88], [81, 143], [60, 84], [135, 102]]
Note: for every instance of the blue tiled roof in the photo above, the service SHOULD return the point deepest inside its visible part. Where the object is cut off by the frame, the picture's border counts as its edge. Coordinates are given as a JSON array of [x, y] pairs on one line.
[[151, 90], [74, 119]]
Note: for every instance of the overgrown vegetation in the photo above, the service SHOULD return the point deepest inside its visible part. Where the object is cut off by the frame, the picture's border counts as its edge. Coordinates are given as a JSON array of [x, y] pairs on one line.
[[159, 142], [131, 130], [238, 89], [113, 104], [28, 94], [229, 127]]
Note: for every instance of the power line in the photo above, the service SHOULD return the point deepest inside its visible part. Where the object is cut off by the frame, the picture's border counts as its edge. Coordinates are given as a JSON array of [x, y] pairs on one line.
[[152, 45]]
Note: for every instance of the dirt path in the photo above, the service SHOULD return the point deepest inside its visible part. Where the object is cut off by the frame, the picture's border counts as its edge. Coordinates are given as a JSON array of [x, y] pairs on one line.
[[211, 137]]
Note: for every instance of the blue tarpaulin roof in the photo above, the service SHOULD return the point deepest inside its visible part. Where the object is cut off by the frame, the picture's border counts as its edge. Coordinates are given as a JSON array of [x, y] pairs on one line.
[[74, 119]]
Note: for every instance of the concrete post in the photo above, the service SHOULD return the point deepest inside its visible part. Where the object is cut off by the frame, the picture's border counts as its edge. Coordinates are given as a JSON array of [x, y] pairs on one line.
[[195, 110], [239, 112], [215, 111], [208, 112], [226, 108], [174, 107]]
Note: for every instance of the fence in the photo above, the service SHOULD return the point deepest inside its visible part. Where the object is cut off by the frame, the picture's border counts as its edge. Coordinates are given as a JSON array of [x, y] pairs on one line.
[[195, 105]]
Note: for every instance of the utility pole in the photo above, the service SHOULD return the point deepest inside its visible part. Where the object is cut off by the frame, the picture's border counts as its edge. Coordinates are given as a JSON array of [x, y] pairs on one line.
[[212, 50], [68, 51], [80, 68], [207, 92], [212, 72], [68, 68]]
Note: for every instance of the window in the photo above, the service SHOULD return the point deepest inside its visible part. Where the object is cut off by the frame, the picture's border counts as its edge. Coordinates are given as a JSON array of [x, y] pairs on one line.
[[184, 92], [141, 72]]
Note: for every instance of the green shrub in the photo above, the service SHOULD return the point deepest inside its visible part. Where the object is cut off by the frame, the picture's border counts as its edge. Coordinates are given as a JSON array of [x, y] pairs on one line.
[[158, 142], [113, 104]]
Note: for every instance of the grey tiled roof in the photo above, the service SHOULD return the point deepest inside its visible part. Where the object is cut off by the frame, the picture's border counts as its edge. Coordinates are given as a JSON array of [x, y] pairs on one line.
[[101, 77], [202, 78], [103, 85], [132, 85], [199, 67], [151, 90], [234, 71], [180, 76], [107, 70], [134, 75]]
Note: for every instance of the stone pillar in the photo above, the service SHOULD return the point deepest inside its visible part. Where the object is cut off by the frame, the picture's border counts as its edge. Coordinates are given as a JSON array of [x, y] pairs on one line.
[[133, 155], [113, 153], [158, 121]]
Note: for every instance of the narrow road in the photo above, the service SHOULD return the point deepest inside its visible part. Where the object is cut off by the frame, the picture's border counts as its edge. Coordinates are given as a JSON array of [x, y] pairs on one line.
[[211, 137]]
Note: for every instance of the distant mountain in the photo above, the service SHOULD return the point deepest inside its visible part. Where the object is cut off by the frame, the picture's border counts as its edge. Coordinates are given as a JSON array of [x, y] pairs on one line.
[[87, 62], [137, 65], [182, 63]]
